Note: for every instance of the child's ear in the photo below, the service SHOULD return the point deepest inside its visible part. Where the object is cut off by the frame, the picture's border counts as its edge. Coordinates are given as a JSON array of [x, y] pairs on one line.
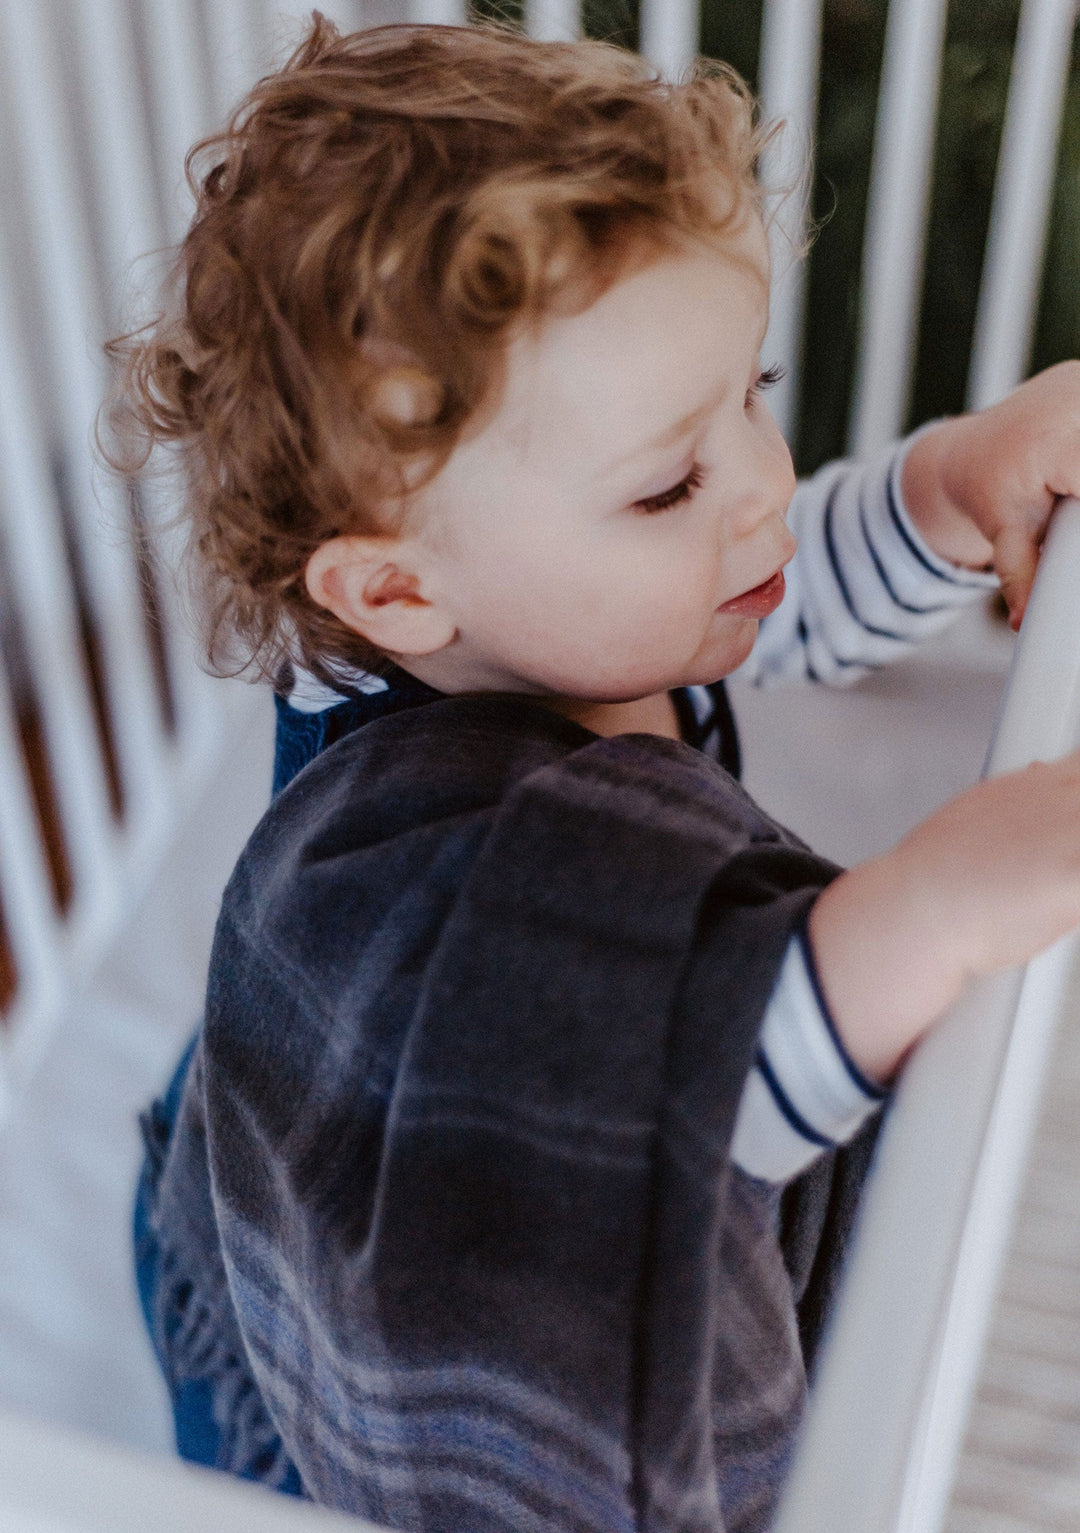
[[374, 585]]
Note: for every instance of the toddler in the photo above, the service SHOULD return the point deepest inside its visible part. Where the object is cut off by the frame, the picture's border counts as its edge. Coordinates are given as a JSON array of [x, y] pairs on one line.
[[506, 1183]]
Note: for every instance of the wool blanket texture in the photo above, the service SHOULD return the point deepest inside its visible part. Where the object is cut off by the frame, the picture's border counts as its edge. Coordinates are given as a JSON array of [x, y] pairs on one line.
[[447, 1215]]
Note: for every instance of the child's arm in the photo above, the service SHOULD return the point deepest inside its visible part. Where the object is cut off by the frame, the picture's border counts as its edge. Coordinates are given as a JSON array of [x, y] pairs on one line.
[[986, 882], [980, 488]]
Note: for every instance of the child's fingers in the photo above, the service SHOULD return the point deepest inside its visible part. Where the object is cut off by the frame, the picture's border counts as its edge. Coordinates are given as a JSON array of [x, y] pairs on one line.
[[1016, 557]]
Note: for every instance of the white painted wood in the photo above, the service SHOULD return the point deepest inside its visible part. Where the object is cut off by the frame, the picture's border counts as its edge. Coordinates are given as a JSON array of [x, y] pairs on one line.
[[70, 310], [445, 13], [52, 1481], [896, 221], [30, 916], [45, 608], [1023, 189], [878, 1448], [118, 148], [180, 95], [669, 35], [553, 20], [236, 46], [789, 71]]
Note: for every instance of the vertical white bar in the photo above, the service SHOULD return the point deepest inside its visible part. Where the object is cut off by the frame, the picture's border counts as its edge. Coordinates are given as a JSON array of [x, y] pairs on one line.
[[669, 35], [1020, 212], [180, 93], [789, 73], [236, 50], [71, 314], [124, 183], [896, 220], [119, 144], [30, 918], [440, 13], [46, 609], [553, 20]]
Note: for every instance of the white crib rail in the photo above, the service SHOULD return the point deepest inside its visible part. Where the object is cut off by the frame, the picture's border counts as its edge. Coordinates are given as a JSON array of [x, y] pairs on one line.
[[891, 1400]]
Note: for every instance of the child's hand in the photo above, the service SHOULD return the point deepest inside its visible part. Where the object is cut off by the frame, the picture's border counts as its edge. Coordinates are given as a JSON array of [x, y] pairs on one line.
[[987, 882], [980, 488]]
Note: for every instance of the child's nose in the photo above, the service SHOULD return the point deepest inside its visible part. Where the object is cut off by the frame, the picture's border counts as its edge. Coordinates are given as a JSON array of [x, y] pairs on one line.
[[770, 482]]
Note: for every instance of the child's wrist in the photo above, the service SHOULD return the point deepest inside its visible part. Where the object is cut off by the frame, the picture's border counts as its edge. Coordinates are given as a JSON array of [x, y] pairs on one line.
[[884, 971], [944, 525]]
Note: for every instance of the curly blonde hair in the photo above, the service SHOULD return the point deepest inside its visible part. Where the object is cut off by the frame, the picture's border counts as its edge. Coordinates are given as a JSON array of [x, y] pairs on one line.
[[376, 221]]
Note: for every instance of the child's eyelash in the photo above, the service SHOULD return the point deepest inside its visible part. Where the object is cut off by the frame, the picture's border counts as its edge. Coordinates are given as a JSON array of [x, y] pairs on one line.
[[766, 380], [696, 477], [681, 491]]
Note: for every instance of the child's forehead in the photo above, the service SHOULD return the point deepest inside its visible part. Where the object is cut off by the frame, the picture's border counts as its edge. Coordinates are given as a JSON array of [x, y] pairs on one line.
[[654, 321]]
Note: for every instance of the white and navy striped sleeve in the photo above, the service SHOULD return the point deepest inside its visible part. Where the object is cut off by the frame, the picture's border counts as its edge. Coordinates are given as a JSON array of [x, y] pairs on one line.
[[804, 1094], [864, 587]]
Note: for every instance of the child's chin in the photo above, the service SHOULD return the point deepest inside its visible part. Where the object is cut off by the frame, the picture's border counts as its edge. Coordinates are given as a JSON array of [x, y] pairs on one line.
[[731, 652]]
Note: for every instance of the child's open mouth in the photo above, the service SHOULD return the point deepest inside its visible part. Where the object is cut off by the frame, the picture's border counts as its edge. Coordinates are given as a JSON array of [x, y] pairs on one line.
[[760, 601]]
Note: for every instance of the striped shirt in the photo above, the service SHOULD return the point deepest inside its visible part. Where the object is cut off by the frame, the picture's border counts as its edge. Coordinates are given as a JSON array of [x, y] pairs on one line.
[[863, 589]]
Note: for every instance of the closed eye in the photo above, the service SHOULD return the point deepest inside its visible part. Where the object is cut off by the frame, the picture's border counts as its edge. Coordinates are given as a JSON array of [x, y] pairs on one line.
[[678, 492], [765, 380]]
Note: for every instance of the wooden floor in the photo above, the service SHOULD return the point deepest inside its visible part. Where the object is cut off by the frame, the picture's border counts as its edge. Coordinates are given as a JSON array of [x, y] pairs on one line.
[[1020, 1470]]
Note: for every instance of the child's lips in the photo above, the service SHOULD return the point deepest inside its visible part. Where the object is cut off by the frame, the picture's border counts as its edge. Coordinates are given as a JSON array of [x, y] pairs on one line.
[[759, 602]]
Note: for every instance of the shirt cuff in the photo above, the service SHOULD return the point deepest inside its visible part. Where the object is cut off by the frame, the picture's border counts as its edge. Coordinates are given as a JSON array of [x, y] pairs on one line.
[[897, 533], [804, 1094]]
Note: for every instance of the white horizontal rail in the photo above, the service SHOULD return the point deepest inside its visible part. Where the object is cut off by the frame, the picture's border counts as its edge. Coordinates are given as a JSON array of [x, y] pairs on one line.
[[888, 1408]]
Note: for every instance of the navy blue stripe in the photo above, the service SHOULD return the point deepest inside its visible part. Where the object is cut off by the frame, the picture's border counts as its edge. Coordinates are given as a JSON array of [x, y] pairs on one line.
[[887, 583], [947, 576], [804, 636], [840, 660], [787, 1106], [868, 1087], [830, 549]]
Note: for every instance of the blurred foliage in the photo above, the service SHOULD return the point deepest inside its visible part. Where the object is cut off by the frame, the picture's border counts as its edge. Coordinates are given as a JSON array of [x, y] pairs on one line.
[[975, 76]]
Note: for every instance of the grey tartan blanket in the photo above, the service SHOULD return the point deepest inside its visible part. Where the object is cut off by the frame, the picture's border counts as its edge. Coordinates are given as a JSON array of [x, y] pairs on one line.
[[447, 1220]]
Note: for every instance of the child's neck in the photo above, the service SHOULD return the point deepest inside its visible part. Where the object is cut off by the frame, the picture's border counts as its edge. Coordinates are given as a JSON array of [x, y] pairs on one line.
[[645, 715]]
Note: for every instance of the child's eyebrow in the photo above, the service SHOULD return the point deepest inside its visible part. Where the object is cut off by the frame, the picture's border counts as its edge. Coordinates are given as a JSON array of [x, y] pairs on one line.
[[682, 427], [673, 433]]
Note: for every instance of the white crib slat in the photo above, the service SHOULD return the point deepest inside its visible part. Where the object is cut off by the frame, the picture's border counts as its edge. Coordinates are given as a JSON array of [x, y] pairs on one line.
[[70, 313], [46, 609], [790, 58], [119, 143], [553, 20], [30, 917], [896, 220], [236, 45], [894, 1386], [442, 13], [124, 181], [669, 35], [180, 94], [1022, 195]]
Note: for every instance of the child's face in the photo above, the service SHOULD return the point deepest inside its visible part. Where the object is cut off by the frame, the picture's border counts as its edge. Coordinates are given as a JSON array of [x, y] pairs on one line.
[[563, 571]]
